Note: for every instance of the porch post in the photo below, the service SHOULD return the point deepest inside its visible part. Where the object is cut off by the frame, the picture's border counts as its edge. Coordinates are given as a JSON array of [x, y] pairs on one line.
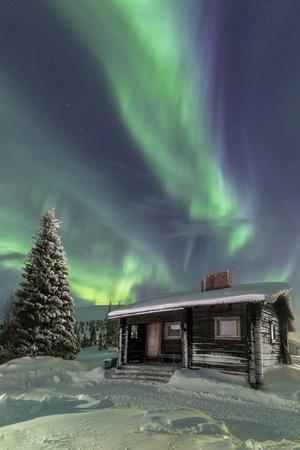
[[119, 362], [126, 345], [258, 355], [185, 359]]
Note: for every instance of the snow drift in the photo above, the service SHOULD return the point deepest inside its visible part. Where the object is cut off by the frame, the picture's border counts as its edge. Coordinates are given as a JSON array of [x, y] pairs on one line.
[[48, 402]]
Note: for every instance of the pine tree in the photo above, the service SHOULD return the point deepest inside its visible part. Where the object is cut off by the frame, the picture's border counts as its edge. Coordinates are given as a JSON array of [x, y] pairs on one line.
[[111, 330], [7, 328], [2, 355], [93, 334], [100, 340], [7, 310], [44, 309], [85, 341], [77, 334]]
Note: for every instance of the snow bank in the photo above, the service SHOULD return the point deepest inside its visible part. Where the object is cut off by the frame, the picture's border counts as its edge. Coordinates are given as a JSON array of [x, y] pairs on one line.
[[127, 427], [116, 428], [23, 374], [208, 380], [18, 409], [183, 420], [282, 379], [69, 404], [91, 357]]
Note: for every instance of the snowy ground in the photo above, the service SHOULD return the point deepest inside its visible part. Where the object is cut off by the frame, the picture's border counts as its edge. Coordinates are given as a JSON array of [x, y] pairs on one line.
[[48, 403]]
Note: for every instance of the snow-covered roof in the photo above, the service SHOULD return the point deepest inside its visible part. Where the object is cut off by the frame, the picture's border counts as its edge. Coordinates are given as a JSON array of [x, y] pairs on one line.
[[243, 293]]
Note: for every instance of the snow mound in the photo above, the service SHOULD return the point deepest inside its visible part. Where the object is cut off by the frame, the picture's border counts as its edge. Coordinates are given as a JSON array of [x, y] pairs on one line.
[[121, 427], [284, 379], [13, 410], [70, 404], [281, 379], [92, 357], [283, 444], [209, 381], [23, 374], [184, 421]]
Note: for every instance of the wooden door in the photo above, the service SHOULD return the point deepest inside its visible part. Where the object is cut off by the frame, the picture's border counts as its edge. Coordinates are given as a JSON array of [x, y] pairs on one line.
[[153, 339]]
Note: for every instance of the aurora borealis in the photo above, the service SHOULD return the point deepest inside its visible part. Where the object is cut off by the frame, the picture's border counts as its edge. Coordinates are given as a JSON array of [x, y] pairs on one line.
[[165, 134]]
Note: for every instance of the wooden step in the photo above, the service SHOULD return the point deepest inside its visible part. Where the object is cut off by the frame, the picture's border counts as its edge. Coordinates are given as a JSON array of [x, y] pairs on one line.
[[143, 372], [132, 374], [154, 368], [147, 378]]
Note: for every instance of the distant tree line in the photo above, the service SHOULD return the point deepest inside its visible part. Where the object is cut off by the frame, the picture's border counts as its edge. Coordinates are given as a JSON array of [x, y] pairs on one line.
[[7, 330], [103, 333]]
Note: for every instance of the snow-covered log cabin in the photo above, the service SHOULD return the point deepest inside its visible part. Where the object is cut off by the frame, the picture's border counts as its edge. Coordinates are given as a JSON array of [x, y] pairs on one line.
[[239, 329]]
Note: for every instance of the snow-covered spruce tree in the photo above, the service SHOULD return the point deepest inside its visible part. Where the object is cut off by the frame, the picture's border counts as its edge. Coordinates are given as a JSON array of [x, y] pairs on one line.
[[93, 333], [44, 309], [111, 329]]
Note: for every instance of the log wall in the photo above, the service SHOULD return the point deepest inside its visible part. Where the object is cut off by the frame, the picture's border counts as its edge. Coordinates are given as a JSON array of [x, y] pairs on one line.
[[173, 346], [206, 351], [271, 351], [253, 312], [122, 340]]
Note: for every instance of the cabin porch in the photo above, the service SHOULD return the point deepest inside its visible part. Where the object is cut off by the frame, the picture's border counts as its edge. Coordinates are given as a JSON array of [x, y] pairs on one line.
[[153, 339]]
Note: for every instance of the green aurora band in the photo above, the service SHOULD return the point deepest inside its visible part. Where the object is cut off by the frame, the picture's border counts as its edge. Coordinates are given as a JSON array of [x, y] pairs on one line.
[[146, 50], [69, 187], [156, 83]]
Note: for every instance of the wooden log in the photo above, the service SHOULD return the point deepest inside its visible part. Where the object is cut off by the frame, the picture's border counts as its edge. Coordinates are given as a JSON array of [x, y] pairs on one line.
[[184, 346], [252, 373], [119, 361], [258, 349], [271, 345], [243, 370], [126, 345], [219, 359]]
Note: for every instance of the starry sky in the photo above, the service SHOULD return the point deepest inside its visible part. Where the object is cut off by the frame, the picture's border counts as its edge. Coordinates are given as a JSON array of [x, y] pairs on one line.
[[164, 132]]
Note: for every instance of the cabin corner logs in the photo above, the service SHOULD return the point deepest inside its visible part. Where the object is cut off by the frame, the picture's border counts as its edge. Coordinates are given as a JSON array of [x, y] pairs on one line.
[[263, 335]]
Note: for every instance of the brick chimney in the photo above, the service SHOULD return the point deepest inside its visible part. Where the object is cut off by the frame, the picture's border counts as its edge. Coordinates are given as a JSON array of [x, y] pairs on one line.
[[217, 280]]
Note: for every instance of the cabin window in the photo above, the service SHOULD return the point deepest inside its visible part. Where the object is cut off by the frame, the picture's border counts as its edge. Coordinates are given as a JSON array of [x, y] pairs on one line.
[[134, 332], [172, 330], [272, 332], [228, 328]]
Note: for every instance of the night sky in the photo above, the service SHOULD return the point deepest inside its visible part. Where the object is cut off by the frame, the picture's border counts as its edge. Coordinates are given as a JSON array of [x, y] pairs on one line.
[[166, 133]]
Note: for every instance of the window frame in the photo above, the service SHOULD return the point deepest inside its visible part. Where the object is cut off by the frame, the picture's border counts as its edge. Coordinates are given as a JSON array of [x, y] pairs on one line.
[[219, 337], [166, 336], [272, 332]]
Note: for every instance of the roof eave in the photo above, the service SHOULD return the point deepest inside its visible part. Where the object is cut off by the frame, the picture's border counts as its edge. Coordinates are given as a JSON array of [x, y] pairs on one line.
[[142, 313], [187, 304]]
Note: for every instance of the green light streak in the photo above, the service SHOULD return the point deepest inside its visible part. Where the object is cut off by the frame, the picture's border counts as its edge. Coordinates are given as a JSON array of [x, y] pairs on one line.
[[239, 237], [134, 272], [108, 260], [285, 271], [155, 79]]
